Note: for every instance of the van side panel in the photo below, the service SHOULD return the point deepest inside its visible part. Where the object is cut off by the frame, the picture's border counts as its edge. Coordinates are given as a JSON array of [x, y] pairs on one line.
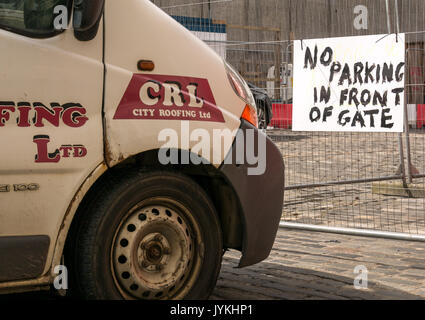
[[26, 257], [51, 135], [138, 105]]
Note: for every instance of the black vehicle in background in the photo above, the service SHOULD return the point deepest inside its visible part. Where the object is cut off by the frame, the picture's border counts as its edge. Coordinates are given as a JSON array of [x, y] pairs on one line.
[[264, 106]]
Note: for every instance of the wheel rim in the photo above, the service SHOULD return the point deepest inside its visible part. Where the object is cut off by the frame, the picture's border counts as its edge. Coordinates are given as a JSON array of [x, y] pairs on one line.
[[153, 253]]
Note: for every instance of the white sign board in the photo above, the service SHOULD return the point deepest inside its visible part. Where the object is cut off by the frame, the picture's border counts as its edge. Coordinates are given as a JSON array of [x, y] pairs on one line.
[[349, 84]]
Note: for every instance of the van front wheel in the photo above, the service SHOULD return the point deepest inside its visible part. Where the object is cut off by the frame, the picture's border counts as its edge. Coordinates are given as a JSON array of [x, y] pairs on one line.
[[149, 236]]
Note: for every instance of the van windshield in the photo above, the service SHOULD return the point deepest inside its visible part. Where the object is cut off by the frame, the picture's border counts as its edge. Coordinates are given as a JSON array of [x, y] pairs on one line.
[[33, 17]]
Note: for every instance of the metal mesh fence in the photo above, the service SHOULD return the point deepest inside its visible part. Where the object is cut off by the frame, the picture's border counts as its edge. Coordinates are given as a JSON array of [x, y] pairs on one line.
[[353, 180]]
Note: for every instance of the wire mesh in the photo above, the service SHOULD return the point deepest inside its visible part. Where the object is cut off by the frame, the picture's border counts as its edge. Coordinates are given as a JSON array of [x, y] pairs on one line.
[[353, 180]]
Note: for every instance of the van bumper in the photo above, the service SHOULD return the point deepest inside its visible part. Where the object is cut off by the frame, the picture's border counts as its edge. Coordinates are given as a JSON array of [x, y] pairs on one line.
[[260, 196]]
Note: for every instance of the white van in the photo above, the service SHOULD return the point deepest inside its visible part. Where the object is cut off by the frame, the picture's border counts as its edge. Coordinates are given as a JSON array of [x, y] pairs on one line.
[[86, 115]]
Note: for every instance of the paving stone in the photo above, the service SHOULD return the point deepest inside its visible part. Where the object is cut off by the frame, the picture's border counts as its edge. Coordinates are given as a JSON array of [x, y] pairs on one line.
[[403, 282], [413, 277], [305, 272], [318, 273], [415, 261], [415, 272]]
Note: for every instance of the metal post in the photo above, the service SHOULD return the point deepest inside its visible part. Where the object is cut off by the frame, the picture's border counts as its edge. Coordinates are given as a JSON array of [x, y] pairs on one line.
[[388, 16], [406, 130], [278, 63], [402, 169], [397, 18], [289, 59], [406, 118]]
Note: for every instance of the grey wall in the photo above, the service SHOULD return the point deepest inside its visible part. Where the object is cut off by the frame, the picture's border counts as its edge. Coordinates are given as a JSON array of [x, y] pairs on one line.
[[305, 18]]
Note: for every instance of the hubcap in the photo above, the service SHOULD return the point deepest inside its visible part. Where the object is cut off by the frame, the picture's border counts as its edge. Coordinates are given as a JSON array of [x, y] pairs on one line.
[[153, 252]]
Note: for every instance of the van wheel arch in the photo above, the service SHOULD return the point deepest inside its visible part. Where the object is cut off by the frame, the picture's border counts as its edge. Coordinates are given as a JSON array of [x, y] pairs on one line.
[[207, 176]]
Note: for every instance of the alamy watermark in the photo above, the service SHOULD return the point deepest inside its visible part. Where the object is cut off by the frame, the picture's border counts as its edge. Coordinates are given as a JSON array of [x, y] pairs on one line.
[[361, 19], [61, 17], [61, 280], [249, 147], [360, 280]]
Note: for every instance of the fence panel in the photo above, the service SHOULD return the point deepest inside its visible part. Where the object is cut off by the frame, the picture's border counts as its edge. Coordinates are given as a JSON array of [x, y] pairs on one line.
[[350, 180]]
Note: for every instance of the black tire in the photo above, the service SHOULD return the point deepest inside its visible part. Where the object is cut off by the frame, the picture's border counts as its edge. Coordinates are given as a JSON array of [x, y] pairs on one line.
[[118, 201]]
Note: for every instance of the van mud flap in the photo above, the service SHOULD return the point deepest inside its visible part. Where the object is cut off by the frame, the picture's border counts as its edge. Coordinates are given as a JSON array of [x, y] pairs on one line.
[[260, 196]]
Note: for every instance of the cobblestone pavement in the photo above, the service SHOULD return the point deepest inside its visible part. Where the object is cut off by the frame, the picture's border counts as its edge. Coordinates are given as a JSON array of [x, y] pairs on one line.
[[313, 265]]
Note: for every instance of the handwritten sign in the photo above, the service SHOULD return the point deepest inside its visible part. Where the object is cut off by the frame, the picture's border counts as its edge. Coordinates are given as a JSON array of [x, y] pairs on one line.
[[349, 84]]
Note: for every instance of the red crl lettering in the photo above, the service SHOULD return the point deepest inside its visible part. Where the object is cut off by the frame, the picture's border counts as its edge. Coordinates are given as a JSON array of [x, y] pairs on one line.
[[168, 97], [65, 151], [24, 109], [170, 93], [26, 114], [80, 151], [42, 113], [5, 112], [74, 117], [43, 155]]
